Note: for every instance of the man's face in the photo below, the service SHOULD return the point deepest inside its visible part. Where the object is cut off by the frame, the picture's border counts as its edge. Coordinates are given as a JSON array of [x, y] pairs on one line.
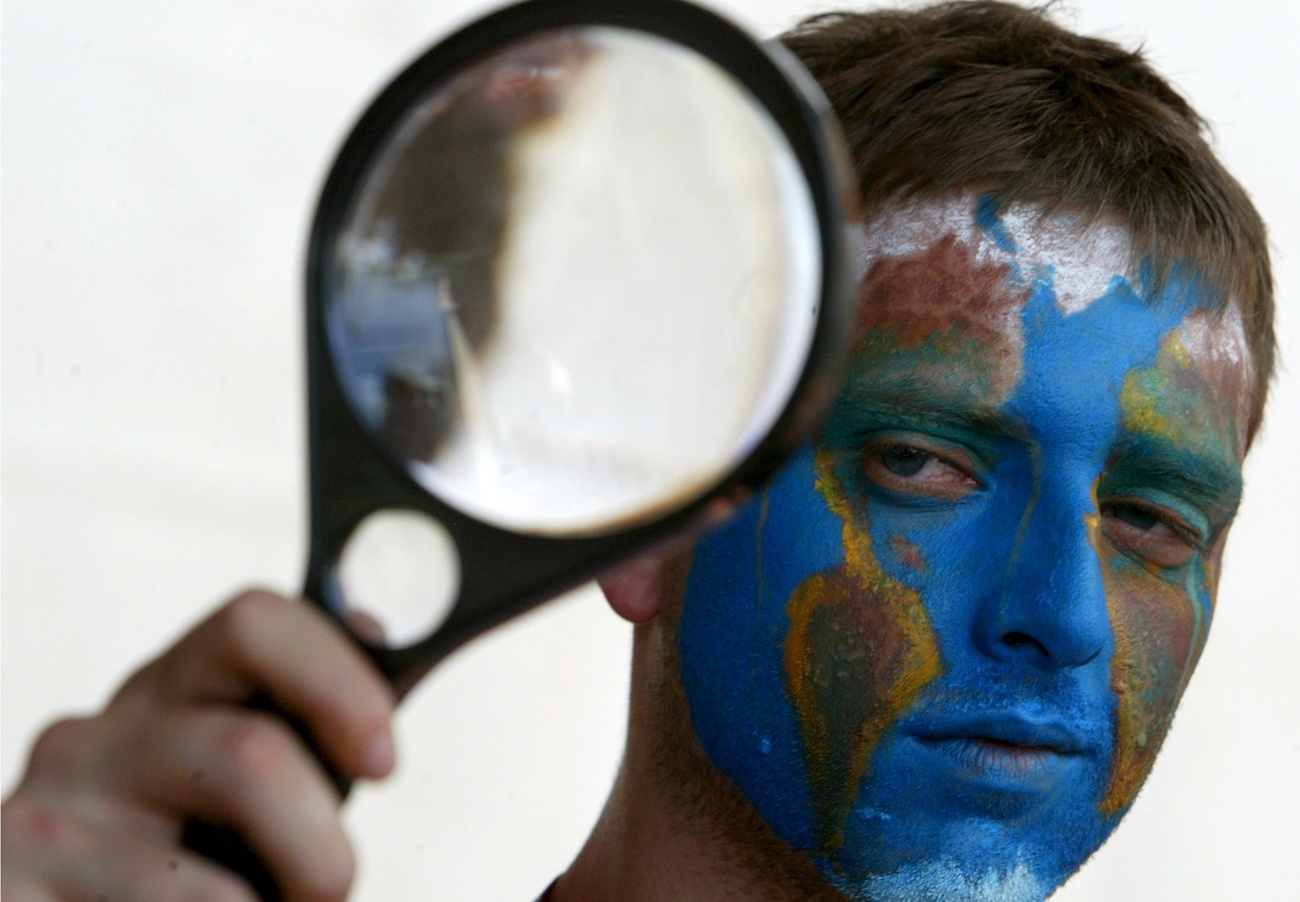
[[940, 653]]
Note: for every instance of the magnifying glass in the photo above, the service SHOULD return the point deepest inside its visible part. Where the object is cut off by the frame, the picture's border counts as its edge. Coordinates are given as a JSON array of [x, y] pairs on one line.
[[579, 282]]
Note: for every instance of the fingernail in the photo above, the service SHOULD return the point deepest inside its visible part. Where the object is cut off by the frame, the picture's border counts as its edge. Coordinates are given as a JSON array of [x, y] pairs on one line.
[[379, 757]]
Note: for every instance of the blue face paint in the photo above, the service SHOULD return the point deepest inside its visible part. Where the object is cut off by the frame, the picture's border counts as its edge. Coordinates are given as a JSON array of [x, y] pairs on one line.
[[940, 652]]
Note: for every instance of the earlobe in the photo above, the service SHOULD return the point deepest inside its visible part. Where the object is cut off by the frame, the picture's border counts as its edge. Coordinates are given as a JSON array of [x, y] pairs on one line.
[[640, 589]]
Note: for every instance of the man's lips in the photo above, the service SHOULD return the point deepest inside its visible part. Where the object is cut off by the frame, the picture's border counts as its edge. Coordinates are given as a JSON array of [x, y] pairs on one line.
[[1007, 728], [988, 757], [999, 744]]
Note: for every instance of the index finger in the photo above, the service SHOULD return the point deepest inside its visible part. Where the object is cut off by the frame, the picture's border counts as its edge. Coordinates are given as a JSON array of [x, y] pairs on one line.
[[261, 642]]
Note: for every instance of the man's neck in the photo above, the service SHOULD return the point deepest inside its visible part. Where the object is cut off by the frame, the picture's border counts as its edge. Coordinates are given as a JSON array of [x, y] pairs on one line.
[[673, 827]]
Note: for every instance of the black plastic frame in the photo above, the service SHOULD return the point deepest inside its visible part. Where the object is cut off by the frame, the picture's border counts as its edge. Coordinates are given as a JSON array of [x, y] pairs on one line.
[[504, 573]]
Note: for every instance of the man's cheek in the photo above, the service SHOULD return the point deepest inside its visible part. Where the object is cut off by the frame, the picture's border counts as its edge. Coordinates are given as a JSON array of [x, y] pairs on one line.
[[859, 651], [1160, 625], [732, 644]]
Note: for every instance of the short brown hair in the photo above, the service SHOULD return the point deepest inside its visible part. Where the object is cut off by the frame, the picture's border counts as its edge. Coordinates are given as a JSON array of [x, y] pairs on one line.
[[995, 97]]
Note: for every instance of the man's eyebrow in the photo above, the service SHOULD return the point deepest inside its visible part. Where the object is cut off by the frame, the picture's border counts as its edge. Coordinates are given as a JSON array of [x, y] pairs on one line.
[[1204, 479], [921, 407]]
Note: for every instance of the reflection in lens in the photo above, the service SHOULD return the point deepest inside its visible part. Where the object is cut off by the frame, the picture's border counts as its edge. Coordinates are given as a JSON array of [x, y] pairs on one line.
[[578, 283]]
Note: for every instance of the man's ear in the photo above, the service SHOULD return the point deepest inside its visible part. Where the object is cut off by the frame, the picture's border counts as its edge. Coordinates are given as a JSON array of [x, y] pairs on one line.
[[639, 589]]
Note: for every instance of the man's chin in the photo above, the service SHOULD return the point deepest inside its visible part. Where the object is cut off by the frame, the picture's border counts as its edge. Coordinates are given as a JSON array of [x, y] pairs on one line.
[[948, 880], [923, 827], [976, 872], [959, 856]]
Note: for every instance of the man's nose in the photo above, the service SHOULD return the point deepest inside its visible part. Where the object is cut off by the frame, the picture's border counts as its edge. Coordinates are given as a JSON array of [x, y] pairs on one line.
[[1051, 609]]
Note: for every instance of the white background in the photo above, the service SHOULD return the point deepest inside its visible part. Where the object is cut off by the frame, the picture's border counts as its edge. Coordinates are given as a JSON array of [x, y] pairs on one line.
[[160, 163]]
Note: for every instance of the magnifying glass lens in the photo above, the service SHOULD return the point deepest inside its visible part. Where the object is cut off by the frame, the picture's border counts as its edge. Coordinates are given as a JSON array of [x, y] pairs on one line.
[[578, 283]]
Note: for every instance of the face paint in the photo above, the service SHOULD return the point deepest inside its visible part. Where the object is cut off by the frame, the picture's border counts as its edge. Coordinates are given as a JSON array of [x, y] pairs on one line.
[[859, 651], [941, 652], [1161, 597]]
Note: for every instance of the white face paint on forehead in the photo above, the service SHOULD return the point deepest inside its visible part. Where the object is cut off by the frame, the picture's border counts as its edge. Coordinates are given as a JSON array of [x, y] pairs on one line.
[[1081, 264], [1084, 262]]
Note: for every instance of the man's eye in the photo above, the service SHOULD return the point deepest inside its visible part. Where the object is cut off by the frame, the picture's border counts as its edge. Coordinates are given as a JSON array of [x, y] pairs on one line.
[[910, 468], [1148, 534], [1135, 516], [904, 461]]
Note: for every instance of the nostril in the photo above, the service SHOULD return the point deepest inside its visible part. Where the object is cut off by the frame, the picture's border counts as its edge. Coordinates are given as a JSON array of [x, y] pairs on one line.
[[1017, 640]]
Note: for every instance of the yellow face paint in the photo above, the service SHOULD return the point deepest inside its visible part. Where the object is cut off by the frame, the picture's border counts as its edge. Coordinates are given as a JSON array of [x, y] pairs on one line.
[[859, 651]]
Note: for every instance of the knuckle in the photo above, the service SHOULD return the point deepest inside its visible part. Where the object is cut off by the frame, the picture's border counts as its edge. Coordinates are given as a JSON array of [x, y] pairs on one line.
[[242, 620], [258, 748], [63, 746], [138, 685], [33, 828]]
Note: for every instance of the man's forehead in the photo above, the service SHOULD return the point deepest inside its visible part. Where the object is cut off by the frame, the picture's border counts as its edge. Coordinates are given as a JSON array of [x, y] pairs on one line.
[[1078, 264], [1084, 260], [1203, 376]]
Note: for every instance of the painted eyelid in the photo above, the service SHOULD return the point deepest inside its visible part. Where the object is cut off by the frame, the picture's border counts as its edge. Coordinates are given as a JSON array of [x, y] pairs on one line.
[[967, 459], [1193, 517]]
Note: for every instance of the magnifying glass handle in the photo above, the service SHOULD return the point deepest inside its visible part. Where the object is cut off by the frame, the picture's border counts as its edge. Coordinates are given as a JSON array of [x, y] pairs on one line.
[[226, 846]]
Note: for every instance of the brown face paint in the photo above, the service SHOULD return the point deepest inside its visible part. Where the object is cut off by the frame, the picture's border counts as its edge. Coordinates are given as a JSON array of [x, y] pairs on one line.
[[908, 553], [1194, 400], [860, 647], [859, 651], [960, 313], [1158, 639]]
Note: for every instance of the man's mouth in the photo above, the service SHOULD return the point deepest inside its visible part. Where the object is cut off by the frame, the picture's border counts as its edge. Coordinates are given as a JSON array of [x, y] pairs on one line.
[[983, 756], [1000, 746]]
